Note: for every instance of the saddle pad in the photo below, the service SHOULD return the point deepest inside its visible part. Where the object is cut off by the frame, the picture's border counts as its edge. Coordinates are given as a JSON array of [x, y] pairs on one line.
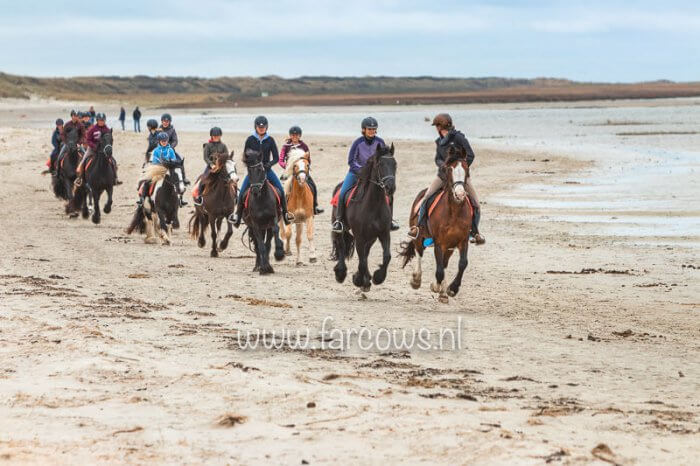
[[350, 194]]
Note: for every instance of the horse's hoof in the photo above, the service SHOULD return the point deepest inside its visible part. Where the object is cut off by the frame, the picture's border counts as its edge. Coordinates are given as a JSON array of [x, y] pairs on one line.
[[265, 270], [201, 243], [340, 274], [378, 277], [443, 299], [357, 280], [95, 220], [451, 293], [287, 253], [73, 215], [312, 260], [415, 284], [366, 288], [279, 256], [222, 247], [435, 287], [151, 241], [107, 208], [214, 253]]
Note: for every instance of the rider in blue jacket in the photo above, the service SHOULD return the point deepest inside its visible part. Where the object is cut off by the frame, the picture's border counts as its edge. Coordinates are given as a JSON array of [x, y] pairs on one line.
[[161, 155], [361, 150]]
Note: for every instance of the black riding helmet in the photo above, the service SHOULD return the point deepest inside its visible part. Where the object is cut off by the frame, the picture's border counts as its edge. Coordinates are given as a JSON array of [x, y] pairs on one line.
[[370, 123], [59, 122], [166, 116], [73, 113], [162, 136], [100, 116], [215, 131], [261, 121], [295, 130], [152, 124]]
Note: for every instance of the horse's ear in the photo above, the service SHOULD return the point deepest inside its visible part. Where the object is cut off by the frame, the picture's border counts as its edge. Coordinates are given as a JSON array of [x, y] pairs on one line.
[[391, 149], [231, 153]]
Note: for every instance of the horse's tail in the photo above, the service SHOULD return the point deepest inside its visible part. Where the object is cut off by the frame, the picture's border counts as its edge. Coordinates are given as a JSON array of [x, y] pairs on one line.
[[408, 252], [198, 224], [137, 222], [76, 203]]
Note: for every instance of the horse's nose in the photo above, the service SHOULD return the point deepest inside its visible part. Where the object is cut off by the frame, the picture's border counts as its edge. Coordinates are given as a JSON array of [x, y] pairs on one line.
[[460, 193], [302, 178], [390, 187]]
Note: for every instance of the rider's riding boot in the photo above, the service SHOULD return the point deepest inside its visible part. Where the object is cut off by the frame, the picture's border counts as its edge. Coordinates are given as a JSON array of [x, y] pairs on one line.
[[183, 202], [415, 230], [317, 209], [238, 216], [338, 226], [478, 238]]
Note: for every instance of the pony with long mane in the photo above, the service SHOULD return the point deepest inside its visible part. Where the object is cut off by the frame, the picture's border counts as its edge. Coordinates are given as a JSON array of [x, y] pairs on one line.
[[368, 219], [450, 217], [66, 171], [300, 202], [261, 213], [99, 177], [218, 203], [163, 202]]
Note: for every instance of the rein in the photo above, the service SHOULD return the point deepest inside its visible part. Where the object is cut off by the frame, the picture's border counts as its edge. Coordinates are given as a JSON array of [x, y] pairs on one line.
[[382, 179]]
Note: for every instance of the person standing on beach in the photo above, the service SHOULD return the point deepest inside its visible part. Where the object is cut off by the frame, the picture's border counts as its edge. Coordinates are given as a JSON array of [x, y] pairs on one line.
[[137, 120], [122, 117]]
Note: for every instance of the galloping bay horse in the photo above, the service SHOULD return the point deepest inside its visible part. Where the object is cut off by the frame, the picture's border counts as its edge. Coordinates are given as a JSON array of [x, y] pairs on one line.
[[368, 219], [449, 223], [218, 203], [300, 202]]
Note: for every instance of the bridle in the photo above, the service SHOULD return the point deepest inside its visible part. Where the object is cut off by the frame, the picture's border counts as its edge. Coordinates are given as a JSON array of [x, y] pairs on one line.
[[257, 186], [382, 179], [299, 172]]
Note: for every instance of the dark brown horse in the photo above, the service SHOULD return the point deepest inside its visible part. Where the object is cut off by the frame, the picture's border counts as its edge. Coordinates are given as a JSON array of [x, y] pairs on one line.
[[100, 176], [66, 171], [218, 203], [369, 219], [449, 225]]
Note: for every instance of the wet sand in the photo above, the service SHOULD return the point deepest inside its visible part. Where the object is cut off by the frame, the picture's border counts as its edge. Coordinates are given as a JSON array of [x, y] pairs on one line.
[[112, 350]]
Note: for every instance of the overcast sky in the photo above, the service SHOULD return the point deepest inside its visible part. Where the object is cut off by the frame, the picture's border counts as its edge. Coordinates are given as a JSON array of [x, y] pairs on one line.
[[586, 40]]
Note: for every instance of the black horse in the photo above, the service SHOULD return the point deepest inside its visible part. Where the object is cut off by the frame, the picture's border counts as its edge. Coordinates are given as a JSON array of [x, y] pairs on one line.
[[66, 171], [368, 218], [99, 176], [164, 202], [261, 214]]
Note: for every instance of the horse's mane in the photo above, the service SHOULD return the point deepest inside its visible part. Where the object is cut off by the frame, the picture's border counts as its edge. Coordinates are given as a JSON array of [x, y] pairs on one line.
[[294, 155], [154, 173], [454, 155]]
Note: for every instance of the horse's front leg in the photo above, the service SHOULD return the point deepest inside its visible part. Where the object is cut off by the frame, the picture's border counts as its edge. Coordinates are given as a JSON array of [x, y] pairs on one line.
[[361, 278], [297, 242], [380, 274], [285, 235], [266, 243], [439, 285], [108, 205], [453, 289], [229, 232], [164, 228], [212, 224], [96, 214], [310, 238], [340, 269]]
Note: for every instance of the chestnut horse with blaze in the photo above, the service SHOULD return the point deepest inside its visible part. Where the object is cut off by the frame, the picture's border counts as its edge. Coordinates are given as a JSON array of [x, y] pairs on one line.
[[300, 202], [449, 224]]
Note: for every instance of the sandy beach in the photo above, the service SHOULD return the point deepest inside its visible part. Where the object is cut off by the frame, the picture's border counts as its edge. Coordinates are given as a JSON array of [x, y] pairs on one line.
[[574, 346]]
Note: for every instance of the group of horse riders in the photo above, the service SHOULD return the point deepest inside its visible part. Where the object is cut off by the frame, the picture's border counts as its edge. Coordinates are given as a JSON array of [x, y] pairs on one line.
[[162, 141], [85, 131]]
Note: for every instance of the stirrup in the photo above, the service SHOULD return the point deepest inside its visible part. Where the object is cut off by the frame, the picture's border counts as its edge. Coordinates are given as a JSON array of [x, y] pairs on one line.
[[394, 225], [414, 232], [198, 201], [337, 227]]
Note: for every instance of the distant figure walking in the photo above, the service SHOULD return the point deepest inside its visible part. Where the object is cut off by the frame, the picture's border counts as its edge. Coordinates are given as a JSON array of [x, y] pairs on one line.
[[122, 117], [92, 115], [137, 120]]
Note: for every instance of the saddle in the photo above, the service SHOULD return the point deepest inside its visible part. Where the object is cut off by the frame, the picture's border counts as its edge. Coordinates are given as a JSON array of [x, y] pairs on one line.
[[274, 190], [434, 200], [348, 197]]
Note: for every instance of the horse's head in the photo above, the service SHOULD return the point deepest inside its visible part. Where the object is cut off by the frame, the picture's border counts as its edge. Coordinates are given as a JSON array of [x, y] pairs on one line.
[[256, 170], [175, 176], [457, 171], [106, 143], [300, 165], [383, 169], [224, 163], [72, 141]]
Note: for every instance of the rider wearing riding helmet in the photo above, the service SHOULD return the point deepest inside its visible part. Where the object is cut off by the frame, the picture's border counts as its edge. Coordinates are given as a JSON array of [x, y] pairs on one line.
[[449, 137], [361, 150], [261, 141], [152, 126], [161, 155], [295, 142], [214, 146], [92, 140], [85, 118], [166, 126], [74, 129], [56, 143]]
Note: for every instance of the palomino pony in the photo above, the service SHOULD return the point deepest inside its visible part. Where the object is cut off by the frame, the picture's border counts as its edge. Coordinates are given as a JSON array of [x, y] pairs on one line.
[[450, 221], [66, 171], [218, 203], [369, 218], [300, 202], [261, 214], [167, 182], [99, 176]]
